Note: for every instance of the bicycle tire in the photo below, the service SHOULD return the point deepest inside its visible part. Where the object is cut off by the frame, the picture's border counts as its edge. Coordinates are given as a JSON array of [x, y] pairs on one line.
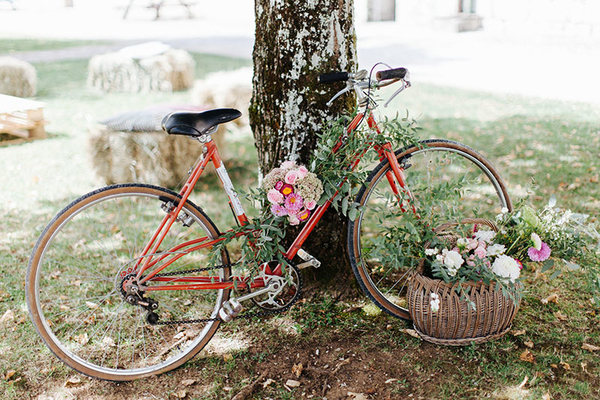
[[74, 276], [429, 165]]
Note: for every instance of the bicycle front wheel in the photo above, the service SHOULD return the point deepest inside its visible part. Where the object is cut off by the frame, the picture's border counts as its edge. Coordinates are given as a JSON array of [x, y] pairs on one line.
[[448, 180], [75, 280]]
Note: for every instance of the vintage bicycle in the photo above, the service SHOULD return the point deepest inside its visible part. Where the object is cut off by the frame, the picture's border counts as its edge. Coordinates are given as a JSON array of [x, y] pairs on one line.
[[120, 283]]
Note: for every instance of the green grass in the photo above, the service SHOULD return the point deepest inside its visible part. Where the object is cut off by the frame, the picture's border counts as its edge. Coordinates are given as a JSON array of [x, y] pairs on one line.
[[21, 45], [540, 146]]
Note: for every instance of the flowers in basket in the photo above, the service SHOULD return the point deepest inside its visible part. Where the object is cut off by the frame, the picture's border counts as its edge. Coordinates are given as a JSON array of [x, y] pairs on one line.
[[292, 191]]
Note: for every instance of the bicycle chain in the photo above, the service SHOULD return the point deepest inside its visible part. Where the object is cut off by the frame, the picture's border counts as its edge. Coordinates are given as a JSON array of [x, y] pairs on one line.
[[242, 316]]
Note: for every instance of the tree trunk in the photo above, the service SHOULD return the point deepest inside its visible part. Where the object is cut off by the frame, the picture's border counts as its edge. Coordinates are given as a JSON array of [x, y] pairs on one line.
[[295, 42]]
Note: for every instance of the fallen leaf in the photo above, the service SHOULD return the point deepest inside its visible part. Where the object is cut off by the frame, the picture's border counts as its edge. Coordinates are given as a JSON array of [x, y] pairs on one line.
[[180, 335], [188, 382], [527, 356], [297, 370], [553, 298], [91, 305], [7, 316], [181, 394], [560, 316], [357, 396], [519, 332], [411, 332], [546, 396], [9, 374], [391, 380], [565, 365], [227, 357], [590, 347], [292, 383], [73, 381], [108, 341], [529, 344], [267, 383], [82, 339]]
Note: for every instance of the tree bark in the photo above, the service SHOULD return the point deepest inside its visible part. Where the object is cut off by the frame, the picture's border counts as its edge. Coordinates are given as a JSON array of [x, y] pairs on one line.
[[295, 42]]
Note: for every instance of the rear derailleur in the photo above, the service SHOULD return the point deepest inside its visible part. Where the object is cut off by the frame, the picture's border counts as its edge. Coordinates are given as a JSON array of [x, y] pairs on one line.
[[134, 295]]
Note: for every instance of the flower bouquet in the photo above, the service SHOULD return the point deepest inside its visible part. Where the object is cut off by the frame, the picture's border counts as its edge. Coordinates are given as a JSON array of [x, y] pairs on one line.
[[292, 191]]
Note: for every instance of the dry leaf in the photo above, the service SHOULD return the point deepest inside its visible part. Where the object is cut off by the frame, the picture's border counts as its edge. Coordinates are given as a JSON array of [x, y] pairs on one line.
[[565, 365], [108, 341], [357, 396], [527, 356], [181, 394], [391, 380], [520, 332], [292, 383], [227, 357], [188, 382], [411, 332], [297, 370], [560, 316], [267, 383], [73, 381], [553, 298], [91, 305], [546, 396], [10, 374], [82, 339], [590, 347], [529, 344], [9, 315]]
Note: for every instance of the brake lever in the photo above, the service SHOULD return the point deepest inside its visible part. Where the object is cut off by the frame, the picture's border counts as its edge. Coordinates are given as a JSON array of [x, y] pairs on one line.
[[405, 85], [349, 86]]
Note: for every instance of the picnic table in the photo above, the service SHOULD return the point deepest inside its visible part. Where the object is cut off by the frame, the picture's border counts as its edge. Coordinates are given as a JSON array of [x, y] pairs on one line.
[[21, 118], [158, 4]]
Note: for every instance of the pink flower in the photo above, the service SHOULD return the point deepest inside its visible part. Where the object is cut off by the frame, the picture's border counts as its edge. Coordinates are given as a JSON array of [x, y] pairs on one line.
[[278, 210], [286, 190], [472, 245], [291, 177], [303, 215], [519, 263], [278, 185], [480, 252], [293, 203], [311, 204], [274, 196], [539, 255], [302, 172], [294, 220], [288, 165]]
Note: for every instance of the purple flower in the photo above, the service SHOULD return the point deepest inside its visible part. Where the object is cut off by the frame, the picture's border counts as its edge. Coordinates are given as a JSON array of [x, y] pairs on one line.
[[539, 255], [278, 185], [278, 210], [293, 203]]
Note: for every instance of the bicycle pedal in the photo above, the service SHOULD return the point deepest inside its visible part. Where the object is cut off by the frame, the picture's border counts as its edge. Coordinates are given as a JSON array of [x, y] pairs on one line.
[[230, 309]]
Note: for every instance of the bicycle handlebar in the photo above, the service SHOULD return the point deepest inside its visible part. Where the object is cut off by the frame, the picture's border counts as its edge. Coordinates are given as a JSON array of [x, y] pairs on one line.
[[396, 73], [332, 77]]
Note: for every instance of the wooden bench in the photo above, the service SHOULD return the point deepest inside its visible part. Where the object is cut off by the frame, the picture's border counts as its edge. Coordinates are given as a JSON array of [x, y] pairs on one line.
[[21, 118]]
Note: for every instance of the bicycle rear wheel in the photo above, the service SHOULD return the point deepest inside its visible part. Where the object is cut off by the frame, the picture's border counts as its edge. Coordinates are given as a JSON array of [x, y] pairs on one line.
[[451, 179], [75, 276]]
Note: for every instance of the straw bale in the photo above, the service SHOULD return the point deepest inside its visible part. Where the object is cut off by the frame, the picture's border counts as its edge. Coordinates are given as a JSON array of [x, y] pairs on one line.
[[119, 72], [17, 78], [226, 89], [147, 157]]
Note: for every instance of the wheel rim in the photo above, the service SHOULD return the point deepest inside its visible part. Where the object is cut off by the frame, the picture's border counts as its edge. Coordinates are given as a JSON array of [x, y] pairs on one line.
[[78, 308], [384, 279]]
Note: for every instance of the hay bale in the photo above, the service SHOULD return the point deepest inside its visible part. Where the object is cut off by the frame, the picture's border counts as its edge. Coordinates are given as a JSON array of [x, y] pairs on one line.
[[136, 70], [17, 78], [130, 147], [226, 89]]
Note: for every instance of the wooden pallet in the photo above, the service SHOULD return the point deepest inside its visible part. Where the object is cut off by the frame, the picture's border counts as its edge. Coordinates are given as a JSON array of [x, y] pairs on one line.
[[21, 119]]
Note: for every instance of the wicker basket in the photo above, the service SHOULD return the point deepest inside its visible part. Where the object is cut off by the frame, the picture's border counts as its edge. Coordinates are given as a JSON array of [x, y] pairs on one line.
[[456, 323]]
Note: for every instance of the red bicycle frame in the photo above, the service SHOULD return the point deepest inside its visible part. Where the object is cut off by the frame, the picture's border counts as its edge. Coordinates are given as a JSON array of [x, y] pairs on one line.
[[155, 262]]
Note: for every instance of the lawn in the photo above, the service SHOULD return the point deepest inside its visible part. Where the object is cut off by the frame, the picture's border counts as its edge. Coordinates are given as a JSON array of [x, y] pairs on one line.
[[541, 148]]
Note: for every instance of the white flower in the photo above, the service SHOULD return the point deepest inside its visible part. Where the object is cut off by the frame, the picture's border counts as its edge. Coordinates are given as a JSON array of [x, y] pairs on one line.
[[485, 236], [537, 242], [495, 250], [504, 210], [431, 252], [462, 243], [506, 267], [452, 260], [435, 302]]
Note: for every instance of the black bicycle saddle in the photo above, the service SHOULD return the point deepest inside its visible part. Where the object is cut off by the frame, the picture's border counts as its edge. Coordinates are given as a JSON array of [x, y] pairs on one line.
[[197, 123]]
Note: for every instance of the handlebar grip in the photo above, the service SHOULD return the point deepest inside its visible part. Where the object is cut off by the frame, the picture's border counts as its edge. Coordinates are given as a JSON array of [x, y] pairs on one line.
[[396, 73], [332, 77]]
